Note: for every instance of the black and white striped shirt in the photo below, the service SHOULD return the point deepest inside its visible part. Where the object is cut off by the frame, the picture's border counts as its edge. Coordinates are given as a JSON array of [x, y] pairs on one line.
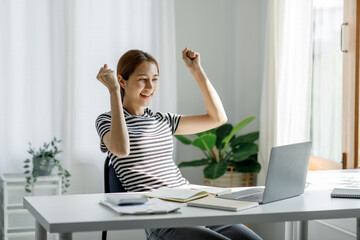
[[149, 164]]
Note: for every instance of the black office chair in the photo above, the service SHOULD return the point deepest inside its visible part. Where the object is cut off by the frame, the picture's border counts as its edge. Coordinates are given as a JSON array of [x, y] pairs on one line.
[[111, 183]]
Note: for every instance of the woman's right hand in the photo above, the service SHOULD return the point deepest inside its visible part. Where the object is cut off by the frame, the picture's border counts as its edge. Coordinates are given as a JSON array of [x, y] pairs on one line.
[[107, 77]]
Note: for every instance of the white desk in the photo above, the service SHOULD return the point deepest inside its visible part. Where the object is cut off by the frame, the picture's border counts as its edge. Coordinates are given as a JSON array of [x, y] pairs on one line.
[[76, 213]]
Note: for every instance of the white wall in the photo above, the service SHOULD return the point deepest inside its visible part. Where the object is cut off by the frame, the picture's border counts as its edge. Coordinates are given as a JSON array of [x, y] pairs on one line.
[[229, 35]]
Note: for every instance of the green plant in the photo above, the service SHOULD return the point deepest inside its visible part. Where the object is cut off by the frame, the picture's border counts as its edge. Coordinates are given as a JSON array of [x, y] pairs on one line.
[[42, 164], [223, 148]]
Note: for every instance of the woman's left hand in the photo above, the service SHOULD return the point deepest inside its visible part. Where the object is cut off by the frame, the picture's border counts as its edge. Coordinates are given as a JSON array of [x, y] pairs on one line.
[[215, 113], [191, 58]]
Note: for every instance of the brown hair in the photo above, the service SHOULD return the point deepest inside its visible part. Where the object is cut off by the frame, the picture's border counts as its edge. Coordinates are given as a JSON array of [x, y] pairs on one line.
[[129, 61]]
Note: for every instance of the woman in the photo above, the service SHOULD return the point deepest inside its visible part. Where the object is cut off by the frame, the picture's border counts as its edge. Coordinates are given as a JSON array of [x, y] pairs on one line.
[[139, 142]]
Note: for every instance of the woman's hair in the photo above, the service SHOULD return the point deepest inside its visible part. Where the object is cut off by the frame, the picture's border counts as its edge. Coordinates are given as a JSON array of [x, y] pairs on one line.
[[129, 61]]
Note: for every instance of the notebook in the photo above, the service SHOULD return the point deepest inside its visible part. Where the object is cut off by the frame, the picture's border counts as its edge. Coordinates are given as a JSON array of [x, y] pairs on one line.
[[345, 193], [209, 189], [177, 194], [221, 204], [286, 175]]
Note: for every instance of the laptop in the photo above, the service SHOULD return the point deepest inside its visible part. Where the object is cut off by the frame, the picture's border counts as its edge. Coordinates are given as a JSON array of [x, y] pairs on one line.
[[286, 175]]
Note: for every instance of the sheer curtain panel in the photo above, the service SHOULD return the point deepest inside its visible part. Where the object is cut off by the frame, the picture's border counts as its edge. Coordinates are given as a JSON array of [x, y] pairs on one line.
[[51, 52], [286, 90]]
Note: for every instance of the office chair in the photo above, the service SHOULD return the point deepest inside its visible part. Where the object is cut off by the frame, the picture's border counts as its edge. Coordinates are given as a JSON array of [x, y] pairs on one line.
[[111, 183]]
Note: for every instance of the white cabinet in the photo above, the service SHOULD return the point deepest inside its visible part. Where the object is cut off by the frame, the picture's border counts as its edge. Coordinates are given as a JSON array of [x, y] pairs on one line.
[[16, 222]]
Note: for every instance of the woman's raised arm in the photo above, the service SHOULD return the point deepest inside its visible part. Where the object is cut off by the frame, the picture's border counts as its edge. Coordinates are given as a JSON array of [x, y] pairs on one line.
[[117, 139], [215, 113]]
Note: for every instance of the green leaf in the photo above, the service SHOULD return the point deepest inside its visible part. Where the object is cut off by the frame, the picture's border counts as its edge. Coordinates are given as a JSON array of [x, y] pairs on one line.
[[183, 139], [27, 161], [205, 142], [221, 133], [206, 132], [28, 180], [248, 166], [250, 137], [194, 163], [237, 128], [244, 151], [215, 170]]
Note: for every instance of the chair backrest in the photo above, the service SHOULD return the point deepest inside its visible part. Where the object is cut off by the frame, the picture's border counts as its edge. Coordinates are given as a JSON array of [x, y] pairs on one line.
[[111, 184], [111, 181]]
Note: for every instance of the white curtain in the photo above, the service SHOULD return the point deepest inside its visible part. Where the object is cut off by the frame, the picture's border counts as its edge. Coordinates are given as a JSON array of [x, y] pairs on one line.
[[326, 116], [51, 52], [286, 92]]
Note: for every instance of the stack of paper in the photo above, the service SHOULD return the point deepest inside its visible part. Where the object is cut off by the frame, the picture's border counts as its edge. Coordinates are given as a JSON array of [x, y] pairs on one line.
[[153, 206], [126, 199]]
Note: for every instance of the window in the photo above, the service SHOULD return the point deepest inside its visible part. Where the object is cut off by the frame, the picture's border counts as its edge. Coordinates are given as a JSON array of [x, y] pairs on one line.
[[335, 93], [326, 107]]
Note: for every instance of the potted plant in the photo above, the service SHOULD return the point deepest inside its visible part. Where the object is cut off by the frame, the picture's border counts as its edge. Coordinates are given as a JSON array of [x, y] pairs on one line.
[[223, 149], [43, 163]]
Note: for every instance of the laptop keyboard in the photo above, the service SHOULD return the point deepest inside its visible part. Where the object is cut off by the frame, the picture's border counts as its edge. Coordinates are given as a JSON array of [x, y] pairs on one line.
[[251, 195], [256, 197]]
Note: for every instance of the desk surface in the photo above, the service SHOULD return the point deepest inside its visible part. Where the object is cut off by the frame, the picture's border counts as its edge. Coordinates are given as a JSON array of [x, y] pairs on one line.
[[75, 213]]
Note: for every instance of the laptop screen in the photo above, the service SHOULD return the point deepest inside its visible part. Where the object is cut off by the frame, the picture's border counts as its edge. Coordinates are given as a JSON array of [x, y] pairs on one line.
[[287, 171]]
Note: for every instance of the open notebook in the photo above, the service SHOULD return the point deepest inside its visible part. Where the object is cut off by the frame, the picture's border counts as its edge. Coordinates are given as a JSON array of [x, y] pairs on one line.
[[176, 194], [186, 193]]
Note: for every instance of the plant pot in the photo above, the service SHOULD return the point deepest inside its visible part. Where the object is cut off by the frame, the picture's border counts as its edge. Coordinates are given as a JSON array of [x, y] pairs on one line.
[[43, 167], [232, 179]]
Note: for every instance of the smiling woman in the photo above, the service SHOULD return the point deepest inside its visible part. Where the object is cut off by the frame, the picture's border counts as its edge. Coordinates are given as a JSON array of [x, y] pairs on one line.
[[139, 143], [131, 131]]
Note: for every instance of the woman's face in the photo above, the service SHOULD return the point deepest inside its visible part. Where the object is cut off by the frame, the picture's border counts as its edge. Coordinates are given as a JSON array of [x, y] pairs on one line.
[[141, 86]]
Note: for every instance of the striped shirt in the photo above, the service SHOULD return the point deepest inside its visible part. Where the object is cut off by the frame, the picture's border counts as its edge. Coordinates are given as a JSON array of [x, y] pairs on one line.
[[150, 164]]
